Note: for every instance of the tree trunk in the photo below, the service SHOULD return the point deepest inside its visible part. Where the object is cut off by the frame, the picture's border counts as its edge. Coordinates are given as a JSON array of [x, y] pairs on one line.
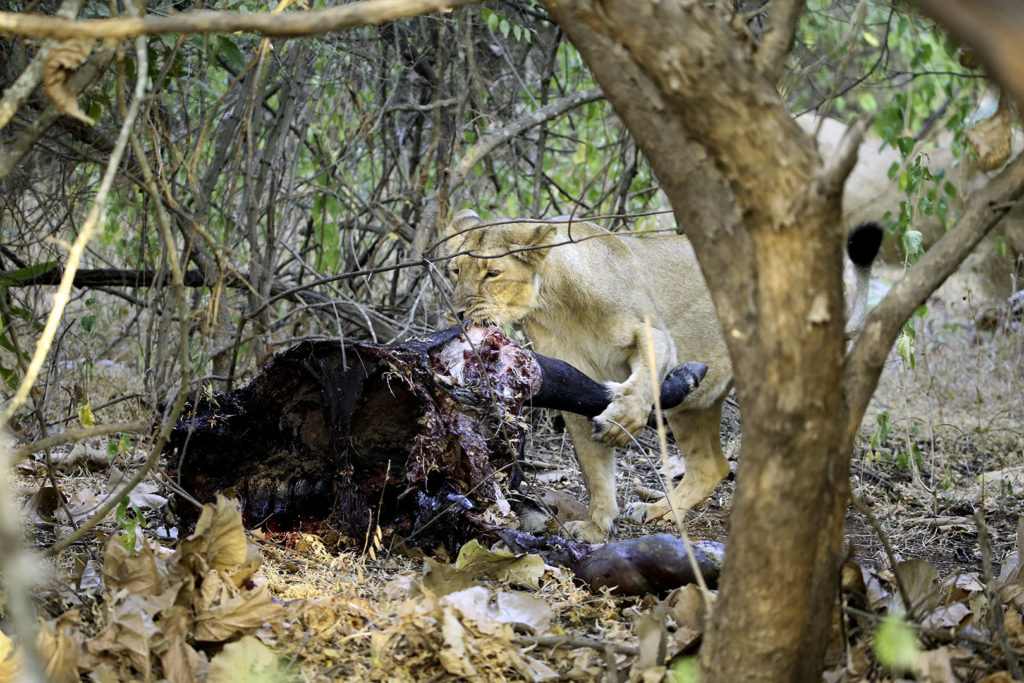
[[763, 215], [762, 210]]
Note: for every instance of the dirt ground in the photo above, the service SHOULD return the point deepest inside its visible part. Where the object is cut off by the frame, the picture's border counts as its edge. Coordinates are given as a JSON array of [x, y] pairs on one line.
[[941, 443]]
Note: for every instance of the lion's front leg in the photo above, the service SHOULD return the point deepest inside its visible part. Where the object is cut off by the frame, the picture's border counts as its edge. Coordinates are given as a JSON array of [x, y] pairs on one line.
[[632, 400], [597, 462]]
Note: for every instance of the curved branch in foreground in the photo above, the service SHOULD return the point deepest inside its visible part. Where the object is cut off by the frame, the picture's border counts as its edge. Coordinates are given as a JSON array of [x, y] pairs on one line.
[[865, 360], [117, 277], [291, 24], [16, 93]]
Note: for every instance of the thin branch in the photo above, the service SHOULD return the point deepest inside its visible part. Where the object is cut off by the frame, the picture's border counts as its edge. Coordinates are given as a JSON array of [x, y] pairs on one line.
[[993, 28], [995, 608], [574, 642], [832, 177], [864, 510], [15, 562], [15, 151], [179, 294], [311, 23], [477, 152], [62, 295], [79, 435]]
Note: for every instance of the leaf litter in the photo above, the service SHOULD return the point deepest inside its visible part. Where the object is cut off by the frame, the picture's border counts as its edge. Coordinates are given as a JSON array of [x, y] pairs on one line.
[[232, 605]]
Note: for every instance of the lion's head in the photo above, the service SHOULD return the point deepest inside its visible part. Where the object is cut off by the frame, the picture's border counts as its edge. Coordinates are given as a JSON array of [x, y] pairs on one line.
[[496, 272]]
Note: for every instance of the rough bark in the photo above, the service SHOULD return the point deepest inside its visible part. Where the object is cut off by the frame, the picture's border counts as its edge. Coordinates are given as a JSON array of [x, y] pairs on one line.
[[763, 214]]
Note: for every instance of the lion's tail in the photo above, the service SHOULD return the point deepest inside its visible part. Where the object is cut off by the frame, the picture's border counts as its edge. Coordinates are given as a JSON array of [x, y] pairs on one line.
[[862, 247]]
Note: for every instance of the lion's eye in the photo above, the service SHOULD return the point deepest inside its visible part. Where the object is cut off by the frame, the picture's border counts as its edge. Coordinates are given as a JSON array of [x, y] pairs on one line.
[[454, 272], [493, 273]]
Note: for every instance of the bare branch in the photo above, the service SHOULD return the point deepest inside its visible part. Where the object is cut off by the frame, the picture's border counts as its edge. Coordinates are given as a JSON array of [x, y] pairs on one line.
[[79, 435], [832, 177], [61, 296], [477, 152], [11, 154], [316, 22]]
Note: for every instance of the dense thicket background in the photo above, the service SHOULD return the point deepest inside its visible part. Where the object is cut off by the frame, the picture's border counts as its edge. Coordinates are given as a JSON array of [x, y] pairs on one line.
[[285, 163], [305, 181]]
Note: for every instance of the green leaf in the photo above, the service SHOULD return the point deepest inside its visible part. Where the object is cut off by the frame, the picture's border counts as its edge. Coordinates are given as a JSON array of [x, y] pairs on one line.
[[9, 377], [905, 348], [684, 669], [27, 273], [580, 155], [881, 435], [905, 145], [895, 644], [226, 46], [94, 110], [868, 103], [490, 17], [88, 323], [912, 243]]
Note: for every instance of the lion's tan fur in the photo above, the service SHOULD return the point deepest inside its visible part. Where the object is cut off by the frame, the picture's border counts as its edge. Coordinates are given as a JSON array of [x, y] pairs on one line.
[[582, 295]]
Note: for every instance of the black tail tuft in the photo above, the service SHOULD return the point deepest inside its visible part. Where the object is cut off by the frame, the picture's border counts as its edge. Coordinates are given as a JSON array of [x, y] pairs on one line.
[[863, 243]]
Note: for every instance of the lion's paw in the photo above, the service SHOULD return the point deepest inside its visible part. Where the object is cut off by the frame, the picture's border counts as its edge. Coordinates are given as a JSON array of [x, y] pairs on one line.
[[641, 513], [628, 411], [588, 531], [636, 513]]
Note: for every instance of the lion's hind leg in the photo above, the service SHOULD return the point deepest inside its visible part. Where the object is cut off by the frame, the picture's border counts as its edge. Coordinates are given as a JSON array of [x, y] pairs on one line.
[[697, 435]]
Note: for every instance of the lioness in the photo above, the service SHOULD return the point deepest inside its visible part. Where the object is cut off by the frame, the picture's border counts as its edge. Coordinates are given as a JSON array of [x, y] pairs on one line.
[[585, 303]]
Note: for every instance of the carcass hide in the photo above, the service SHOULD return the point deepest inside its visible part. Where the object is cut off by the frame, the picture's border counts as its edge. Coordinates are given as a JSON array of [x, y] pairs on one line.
[[342, 438]]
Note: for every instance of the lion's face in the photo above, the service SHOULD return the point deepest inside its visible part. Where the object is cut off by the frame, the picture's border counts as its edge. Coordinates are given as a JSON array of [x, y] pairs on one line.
[[496, 281], [499, 290]]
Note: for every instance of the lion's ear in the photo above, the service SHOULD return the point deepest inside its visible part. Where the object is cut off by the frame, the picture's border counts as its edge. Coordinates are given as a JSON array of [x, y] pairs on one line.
[[462, 221], [529, 236]]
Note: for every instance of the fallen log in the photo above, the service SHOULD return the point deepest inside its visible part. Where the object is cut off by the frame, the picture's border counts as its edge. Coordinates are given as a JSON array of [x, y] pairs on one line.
[[347, 439]]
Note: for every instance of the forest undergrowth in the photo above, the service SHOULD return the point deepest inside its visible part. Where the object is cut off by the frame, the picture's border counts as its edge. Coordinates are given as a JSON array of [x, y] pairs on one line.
[[938, 477]]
